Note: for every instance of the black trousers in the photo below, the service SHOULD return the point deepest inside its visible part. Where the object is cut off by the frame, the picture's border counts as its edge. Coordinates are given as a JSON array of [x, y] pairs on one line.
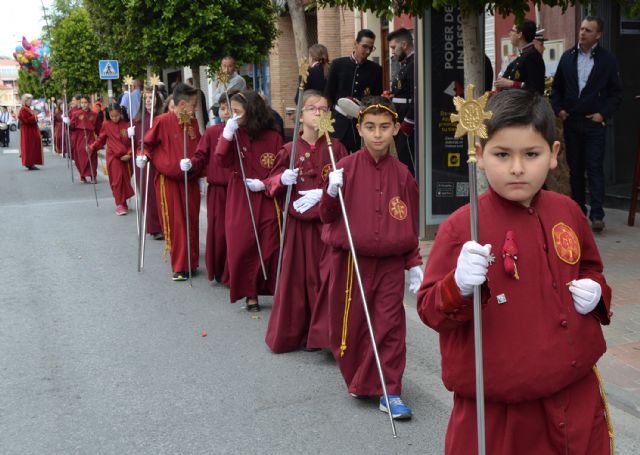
[[584, 142], [404, 148], [346, 132], [4, 137]]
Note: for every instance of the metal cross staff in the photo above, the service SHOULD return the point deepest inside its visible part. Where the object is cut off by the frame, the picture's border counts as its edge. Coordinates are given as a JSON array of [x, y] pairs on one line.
[[470, 117], [223, 78], [154, 81], [324, 127], [184, 117], [128, 82], [304, 73]]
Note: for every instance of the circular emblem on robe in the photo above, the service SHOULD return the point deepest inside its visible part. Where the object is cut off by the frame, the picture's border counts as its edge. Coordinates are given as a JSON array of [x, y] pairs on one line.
[[325, 172], [267, 160], [398, 209], [123, 133], [566, 243], [81, 117]]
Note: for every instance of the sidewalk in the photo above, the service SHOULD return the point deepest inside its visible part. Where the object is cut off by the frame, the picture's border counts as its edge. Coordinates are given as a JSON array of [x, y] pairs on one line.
[[619, 246]]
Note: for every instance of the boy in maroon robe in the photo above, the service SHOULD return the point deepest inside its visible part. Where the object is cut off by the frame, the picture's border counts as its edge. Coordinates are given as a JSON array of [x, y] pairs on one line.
[[381, 199], [30, 139], [217, 179], [164, 145], [543, 299], [300, 317], [84, 129], [115, 132]]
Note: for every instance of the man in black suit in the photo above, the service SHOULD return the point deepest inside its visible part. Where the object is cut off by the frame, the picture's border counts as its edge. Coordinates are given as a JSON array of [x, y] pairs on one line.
[[586, 92], [353, 77], [526, 71]]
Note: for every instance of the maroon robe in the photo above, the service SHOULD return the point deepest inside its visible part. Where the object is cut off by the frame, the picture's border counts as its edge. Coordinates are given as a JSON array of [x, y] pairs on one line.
[[30, 139], [68, 141], [217, 177], [165, 145], [153, 210], [84, 128], [300, 314], [381, 200], [118, 145], [245, 274], [57, 131], [541, 395]]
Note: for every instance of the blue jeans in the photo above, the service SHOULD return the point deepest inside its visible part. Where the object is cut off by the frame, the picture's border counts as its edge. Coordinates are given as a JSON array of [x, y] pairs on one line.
[[584, 142]]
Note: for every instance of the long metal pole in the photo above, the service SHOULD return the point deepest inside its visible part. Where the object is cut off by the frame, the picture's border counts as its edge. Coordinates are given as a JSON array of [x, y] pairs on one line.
[[287, 200], [356, 268], [93, 179], [246, 190], [186, 202], [135, 180], [143, 215]]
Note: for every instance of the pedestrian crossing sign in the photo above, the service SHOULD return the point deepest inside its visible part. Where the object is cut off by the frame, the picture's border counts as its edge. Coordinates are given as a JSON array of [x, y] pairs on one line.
[[108, 69]]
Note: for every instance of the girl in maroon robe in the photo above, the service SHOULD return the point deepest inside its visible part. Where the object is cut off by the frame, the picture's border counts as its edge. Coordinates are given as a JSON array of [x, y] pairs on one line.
[[57, 128], [154, 228], [300, 316], [30, 139], [114, 133], [255, 129], [84, 128], [165, 147]]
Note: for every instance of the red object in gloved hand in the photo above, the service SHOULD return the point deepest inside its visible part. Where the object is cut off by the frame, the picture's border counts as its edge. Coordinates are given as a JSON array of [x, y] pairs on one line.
[[406, 127]]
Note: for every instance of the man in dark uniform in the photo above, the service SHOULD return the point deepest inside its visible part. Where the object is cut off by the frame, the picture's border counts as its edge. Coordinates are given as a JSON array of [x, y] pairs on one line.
[[401, 45], [355, 77], [527, 71]]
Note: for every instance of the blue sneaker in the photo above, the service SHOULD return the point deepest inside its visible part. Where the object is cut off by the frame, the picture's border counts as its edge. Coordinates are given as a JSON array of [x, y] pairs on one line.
[[399, 410]]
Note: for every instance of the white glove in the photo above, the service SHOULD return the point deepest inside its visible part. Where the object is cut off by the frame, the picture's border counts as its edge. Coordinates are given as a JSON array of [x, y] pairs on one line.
[[141, 161], [335, 181], [185, 165], [473, 264], [415, 278], [66, 120], [231, 127], [255, 185], [586, 294], [309, 199], [131, 131], [289, 177]]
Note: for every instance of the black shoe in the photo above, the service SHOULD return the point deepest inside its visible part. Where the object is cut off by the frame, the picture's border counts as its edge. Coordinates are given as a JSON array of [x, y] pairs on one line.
[[253, 308], [180, 276], [33, 168], [597, 225], [157, 236]]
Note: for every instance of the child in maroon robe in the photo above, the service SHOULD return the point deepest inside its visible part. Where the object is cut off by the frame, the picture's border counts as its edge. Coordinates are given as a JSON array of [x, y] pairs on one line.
[[164, 145], [543, 297], [217, 179], [154, 228], [381, 200], [300, 316], [84, 129], [116, 133], [30, 139], [255, 129], [57, 128]]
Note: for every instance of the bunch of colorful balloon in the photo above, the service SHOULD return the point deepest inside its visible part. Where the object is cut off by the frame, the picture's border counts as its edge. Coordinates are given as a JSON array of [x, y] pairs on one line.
[[32, 57]]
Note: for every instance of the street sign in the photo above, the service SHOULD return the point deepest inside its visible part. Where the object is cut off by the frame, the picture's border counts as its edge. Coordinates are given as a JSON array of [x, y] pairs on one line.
[[108, 69]]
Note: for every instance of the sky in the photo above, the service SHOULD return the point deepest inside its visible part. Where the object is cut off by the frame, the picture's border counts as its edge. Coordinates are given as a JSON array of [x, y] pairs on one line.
[[20, 18]]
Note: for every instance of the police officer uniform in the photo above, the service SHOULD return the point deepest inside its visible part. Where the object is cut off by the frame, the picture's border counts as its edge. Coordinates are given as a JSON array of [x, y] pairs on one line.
[[527, 71], [348, 78], [402, 88]]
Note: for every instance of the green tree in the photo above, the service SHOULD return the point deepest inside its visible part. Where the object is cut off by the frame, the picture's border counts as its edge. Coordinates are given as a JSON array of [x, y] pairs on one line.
[[75, 51], [30, 83]]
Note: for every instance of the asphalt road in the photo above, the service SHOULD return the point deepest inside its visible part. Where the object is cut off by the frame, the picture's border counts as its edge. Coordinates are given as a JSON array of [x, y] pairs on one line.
[[98, 358]]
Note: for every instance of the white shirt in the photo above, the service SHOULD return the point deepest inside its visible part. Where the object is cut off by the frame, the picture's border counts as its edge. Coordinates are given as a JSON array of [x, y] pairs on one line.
[[585, 65], [4, 117], [236, 82]]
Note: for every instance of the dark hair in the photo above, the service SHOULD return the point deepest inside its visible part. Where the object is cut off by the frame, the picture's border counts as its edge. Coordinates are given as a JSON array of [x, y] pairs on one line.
[[84, 97], [597, 20], [402, 34], [183, 92], [165, 106], [223, 97], [365, 33], [517, 108], [113, 107], [312, 94], [376, 105], [257, 116], [157, 109], [528, 30]]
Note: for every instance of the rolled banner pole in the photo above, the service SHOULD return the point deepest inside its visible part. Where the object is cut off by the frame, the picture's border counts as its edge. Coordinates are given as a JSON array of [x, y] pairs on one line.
[[470, 118], [304, 72], [128, 82], [223, 78], [325, 126]]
